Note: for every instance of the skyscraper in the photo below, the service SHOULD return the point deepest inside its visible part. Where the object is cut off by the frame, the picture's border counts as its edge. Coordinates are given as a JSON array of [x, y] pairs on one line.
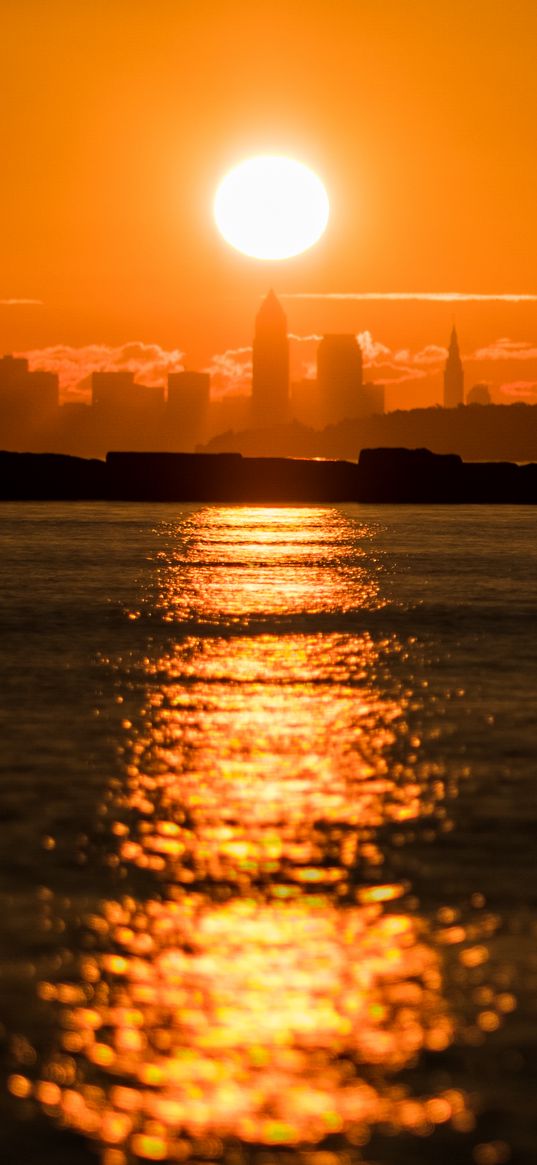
[[339, 376], [29, 402], [126, 415], [453, 375], [188, 406], [270, 375], [33, 393], [112, 391]]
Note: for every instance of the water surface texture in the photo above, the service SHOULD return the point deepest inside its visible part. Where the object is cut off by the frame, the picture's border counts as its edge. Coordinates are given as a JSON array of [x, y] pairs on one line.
[[269, 810]]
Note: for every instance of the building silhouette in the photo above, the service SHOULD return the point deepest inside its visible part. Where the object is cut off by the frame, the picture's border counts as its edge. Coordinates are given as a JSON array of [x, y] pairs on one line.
[[12, 367], [187, 406], [270, 373], [479, 395], [36, 393], [453, 375], [112, 390], [29, 402], [339, 377], [372, 398], [304, 398], [126, 414], [117, 394]]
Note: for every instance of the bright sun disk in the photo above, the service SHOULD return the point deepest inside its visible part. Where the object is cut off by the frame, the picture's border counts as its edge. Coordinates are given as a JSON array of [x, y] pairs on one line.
[[271, 207]]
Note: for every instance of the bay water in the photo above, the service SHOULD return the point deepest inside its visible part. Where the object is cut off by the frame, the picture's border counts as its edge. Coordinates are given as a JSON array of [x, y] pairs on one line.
[[268, 794]]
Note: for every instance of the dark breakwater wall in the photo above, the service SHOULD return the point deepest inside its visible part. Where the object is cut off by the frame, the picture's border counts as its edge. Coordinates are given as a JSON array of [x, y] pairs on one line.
[[380, 475], [228, 477], [51, 477]]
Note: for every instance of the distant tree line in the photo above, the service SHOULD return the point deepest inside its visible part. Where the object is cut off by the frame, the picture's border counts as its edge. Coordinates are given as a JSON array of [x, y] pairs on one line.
[[475, 432]]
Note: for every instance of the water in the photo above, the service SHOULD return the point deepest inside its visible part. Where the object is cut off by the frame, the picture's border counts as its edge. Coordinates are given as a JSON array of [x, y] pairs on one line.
[[268, 807]]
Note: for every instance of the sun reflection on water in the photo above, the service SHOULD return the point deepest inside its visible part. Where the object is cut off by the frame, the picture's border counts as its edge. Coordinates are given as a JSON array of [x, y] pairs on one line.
[[273, 984], [237, 563], [240, 775], [258, 1019]]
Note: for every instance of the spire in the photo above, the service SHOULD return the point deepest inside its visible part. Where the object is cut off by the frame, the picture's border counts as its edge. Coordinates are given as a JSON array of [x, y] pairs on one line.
[[454, 342], [454, 374], [271, 310]]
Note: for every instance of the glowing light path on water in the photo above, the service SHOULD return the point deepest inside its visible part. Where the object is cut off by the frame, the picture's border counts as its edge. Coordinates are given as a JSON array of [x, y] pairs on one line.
[[274, 983]]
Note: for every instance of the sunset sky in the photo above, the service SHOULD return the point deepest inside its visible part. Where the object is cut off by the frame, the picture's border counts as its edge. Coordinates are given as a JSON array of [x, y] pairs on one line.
[[123, 116]]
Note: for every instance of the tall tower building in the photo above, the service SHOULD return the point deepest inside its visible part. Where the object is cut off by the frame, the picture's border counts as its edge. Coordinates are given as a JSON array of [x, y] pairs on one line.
[[453, 375], [270, 375], [29, 401], [339, 376]]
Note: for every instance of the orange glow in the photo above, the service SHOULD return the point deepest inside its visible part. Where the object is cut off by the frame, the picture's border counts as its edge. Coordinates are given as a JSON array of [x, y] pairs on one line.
[[251, 1016], [19, 1086], [117, 153]]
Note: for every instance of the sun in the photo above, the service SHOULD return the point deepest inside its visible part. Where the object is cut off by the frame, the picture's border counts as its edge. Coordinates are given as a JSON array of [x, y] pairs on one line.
[[271, 207]]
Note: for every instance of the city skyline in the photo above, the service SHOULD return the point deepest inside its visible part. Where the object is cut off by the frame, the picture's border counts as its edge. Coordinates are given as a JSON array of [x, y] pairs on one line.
[[113, 257], [411, 378], [333, 412]]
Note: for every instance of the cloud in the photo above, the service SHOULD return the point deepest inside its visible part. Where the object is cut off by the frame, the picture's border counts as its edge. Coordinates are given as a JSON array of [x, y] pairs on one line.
[[230, 371], [506, 349], [381, 362], [390, 374], [417, 296], [21, 302], [389, 367], [149, 363], [520, 389], [432, 355], [372, 349]]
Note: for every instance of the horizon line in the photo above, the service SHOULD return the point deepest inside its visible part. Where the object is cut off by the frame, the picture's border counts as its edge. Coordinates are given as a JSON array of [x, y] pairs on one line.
[[431, 296]]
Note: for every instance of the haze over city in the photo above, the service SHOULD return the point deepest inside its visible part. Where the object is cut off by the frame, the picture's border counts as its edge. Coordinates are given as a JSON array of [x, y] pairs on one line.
[[332, 412], [120, 131]]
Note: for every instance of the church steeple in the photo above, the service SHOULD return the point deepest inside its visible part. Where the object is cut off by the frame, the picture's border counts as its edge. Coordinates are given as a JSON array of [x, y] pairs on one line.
[[454, 374]]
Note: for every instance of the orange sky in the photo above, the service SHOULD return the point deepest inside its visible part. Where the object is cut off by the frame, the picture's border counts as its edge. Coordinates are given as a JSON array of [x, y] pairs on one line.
[[419, 115]]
